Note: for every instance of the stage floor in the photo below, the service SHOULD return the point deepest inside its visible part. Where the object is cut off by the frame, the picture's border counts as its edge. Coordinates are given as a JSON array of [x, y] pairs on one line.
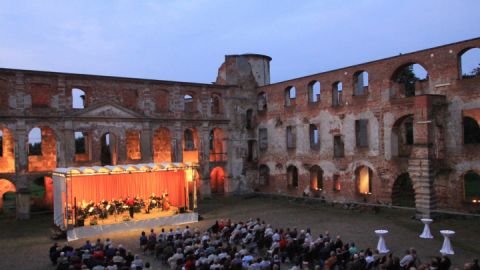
[[112, 219], [140, 222]]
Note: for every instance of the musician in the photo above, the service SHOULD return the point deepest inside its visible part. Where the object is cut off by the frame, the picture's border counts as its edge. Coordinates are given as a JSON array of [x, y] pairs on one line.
[[165, 202], [130, 202]]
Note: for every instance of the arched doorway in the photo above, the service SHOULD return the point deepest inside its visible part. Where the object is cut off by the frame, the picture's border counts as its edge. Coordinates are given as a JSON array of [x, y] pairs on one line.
[[108, 154], [403, 193], [217, 179], [7, 196]]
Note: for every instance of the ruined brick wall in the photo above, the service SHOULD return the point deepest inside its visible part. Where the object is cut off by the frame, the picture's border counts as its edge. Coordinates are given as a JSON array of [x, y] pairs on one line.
[[437, 129], [7, 160]]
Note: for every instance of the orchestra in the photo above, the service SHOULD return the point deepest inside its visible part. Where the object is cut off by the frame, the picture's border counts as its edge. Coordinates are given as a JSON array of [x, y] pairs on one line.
[[114, 207]]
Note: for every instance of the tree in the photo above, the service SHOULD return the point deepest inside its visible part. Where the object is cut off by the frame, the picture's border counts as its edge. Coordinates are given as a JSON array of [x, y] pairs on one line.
[[407, 77], [476, 71]]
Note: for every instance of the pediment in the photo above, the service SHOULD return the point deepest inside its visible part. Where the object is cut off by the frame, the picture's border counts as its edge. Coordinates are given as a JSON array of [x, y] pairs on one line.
[[110, 110]]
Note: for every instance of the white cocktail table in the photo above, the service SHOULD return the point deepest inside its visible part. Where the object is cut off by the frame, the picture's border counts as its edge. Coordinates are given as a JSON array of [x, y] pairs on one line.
[[447, 246], [426, 229], [381, 246]]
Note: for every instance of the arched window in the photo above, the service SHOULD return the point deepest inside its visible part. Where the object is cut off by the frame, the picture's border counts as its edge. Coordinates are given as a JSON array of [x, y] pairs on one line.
[[337, 89], [316, 178], [411, 78], [470, 63], [189, 104], [471, 131], [364, 176], [263, 175], [472, 187], [360, 80], [314, 137], [78, 98], [262, 101], [189, 141], [80, 142], [35, 142], [290, 96], [215, 104], [314, 91], [292, 176]]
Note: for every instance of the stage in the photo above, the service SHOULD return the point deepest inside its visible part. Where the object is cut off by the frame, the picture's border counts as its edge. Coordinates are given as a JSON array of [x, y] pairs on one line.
[[82, 194], [140, 222]]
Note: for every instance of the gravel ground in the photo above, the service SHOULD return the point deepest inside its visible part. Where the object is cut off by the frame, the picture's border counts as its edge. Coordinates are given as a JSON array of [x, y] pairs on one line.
[[25, 244]]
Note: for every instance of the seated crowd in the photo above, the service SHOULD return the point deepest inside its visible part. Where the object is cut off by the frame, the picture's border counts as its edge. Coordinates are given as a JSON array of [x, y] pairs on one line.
[[97, 256], [254, 245]]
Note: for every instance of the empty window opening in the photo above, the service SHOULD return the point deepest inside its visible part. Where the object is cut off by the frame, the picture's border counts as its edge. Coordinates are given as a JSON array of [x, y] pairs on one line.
[[337, 89], [470, 63], [411, 78], [290, 96], [471, 131], [215, 103], [262, 101], [402, 136], [78, 98], [314, 137], [252, 151], [291, 140], [249, 119], [316, 178], [361, 132], [338, 147], [35, 142], [364, 180], [188, 103], [134, 149], [216, 145], [292, 176], [263, 175], [80, 143], [472, 187], [189, 140], [314, 91], [108, 149], [361, 83], [263, 139]]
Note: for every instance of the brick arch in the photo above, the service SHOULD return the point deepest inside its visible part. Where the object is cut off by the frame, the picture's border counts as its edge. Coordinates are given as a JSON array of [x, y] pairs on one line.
[[217, 180], [396, 69], [5, 186], [403, 190]]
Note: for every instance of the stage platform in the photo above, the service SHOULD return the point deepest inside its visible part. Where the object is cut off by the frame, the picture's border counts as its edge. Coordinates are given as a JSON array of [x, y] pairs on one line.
[[140, 221]]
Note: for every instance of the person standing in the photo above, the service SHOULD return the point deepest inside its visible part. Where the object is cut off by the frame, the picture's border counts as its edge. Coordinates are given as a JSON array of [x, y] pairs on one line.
[[130, 203]]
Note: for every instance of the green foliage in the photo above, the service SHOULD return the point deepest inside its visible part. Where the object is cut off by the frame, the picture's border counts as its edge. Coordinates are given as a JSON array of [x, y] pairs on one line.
[[476, 71], [408, 78]]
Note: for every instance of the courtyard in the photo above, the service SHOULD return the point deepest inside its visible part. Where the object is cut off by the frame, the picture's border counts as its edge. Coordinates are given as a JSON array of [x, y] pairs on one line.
[[25, 244]]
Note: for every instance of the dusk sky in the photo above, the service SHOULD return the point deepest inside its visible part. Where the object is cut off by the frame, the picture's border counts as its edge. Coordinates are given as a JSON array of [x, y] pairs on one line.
[[187, 40]]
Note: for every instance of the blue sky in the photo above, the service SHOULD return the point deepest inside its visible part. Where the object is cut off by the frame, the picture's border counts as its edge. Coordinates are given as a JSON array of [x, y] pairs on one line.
[[187, 40]]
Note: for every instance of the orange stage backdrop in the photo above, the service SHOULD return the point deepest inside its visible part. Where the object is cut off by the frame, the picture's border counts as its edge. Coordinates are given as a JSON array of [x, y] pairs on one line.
[[99, 187]]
